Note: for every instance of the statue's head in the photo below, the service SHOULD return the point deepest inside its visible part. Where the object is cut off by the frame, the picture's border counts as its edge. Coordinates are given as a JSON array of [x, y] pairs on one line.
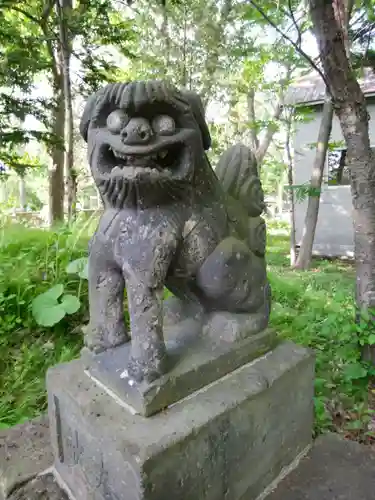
[[143, 136]]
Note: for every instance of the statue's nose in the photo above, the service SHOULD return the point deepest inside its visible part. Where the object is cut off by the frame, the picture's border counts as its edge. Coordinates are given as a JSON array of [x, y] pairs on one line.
[[137, 131]]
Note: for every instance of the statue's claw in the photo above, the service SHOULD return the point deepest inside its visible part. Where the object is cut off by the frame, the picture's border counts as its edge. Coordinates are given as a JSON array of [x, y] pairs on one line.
[[147, 362]]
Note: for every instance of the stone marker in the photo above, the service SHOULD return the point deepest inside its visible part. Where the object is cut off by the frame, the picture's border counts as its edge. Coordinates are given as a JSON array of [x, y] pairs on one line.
[[228, 408]]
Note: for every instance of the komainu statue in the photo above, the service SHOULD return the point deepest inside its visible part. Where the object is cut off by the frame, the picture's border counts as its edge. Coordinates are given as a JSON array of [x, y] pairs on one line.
[[170, 222]]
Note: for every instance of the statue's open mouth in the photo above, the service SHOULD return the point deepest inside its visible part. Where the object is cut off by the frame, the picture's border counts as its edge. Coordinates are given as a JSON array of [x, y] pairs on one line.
[[167, 158], [130, 165]]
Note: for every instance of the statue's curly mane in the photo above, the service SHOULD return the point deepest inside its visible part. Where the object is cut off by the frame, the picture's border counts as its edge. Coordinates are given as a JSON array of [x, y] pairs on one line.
[[135, 95]]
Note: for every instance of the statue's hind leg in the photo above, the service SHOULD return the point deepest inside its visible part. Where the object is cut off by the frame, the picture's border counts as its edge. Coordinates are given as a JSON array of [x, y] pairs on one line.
[[235, 290], [183, 304]]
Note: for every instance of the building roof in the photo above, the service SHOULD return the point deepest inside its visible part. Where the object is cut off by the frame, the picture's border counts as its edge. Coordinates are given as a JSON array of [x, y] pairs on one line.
[[310, 89]]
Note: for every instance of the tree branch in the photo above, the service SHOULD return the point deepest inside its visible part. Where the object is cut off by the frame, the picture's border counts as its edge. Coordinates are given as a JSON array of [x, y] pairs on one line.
[[47, 10], [294, 44], [24, 13], [42, 23], [272, 128], [299, 39], [251, 116]]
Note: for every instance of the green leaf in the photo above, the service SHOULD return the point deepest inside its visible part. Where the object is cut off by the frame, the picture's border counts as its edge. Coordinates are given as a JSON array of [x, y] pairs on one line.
[[84, 274], [355, 425], [355, 371], [78, 266], [48, 315], [45, 307], [371, 339], [70, 303], [52, 293]]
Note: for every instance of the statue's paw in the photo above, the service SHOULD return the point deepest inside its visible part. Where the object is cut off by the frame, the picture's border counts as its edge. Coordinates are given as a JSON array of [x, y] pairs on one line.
[[147, 362], [99, 339], [234, 327]]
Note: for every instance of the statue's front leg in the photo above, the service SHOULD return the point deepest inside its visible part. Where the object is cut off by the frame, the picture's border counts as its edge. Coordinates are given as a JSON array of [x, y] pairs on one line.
[[106, 298], [145, 280], [148, 354]]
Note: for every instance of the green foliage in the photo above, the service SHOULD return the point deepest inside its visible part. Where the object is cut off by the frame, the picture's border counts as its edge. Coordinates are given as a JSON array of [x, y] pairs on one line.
[[22, 57], [303, 191], [113, 30], [47, 310], [29, 50], [304, 114], [79, 267], [332, 145], [50, 307], [316, 308], [34, 262]]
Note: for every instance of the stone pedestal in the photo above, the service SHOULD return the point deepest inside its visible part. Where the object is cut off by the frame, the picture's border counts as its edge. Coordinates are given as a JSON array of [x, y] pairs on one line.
[[228, 440], [193, 365]]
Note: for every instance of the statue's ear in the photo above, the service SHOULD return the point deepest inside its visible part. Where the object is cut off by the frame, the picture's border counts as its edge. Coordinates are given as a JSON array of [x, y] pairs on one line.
[[87, 115], [197, 108], [89, 109]]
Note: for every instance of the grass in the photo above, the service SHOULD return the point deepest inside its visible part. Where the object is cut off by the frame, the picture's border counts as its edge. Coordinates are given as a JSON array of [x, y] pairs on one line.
[[315, 308], [312, 308], [31, 262]]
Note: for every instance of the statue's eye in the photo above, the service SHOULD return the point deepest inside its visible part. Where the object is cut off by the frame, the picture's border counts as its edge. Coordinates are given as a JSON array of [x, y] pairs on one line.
[[164, 125], [116, 121]]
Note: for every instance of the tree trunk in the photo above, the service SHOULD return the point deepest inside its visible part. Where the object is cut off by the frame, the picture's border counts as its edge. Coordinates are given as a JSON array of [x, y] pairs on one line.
[[311, 219], [56, 174], [291, 200], [184, 69], [166, 38], [3, 191], [270, 132], [350, 107], [22, 192], [280, 192], [64, 8], [252, 119], [272, 127]]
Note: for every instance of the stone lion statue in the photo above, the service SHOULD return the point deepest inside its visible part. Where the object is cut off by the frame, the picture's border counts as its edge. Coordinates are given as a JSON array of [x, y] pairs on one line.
[[169, 221]]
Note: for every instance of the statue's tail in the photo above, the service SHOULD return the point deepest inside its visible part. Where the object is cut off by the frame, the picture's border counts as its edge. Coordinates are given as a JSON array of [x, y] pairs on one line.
[[237, 172]]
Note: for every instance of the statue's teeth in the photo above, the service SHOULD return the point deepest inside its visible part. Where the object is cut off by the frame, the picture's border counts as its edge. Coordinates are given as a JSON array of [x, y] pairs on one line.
[[163, 153]]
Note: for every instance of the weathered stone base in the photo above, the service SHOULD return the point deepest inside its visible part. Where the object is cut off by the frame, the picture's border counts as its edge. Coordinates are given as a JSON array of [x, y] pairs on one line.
[[229, 440], [195, 366]]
